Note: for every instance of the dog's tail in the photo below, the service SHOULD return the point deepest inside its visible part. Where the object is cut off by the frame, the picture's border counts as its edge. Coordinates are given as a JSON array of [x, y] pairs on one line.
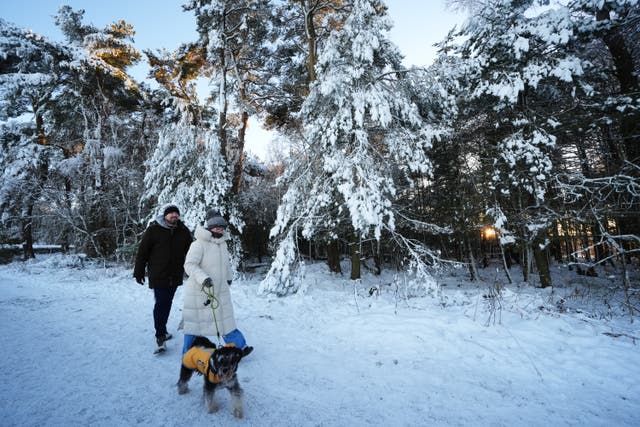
[[202, 342]]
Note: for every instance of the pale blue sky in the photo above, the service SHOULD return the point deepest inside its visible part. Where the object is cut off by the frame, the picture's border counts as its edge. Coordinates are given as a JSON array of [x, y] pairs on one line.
[[418, 24], [162, 23]]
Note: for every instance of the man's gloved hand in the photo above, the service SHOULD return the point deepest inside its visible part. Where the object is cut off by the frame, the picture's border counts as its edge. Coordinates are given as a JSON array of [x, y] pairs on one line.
[[229, 282], [140, 280], [207, 282]]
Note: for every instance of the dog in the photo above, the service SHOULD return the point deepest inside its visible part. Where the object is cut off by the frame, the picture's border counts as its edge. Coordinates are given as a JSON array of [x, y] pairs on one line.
[[218, 365]]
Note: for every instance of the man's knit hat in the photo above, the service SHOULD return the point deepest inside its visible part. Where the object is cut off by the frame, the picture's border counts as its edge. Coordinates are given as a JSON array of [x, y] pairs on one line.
[[171, 208]]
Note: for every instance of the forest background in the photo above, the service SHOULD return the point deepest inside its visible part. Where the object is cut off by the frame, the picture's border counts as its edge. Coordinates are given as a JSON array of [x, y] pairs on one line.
[[519, 143]]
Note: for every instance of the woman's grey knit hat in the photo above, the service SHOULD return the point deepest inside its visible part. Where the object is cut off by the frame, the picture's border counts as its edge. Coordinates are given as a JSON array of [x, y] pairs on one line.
[[214, 219]]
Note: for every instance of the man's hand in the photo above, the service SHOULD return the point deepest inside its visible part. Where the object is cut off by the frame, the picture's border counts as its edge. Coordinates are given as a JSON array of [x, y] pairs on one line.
[[207, 282], [140, 280]]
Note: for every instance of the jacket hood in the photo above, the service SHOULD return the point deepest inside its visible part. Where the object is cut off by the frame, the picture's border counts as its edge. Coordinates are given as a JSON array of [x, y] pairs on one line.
[[205, 235], [162, 223]]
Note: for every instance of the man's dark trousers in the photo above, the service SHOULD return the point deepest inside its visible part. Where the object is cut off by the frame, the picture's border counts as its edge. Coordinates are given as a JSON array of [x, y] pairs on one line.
[[162, 308]]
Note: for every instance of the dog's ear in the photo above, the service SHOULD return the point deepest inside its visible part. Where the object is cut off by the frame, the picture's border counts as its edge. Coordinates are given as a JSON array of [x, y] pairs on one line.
[[237, 355], [227, 356]]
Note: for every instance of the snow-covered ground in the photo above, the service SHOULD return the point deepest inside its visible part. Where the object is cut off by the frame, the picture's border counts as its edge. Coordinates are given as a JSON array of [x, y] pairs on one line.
[[77, 346]]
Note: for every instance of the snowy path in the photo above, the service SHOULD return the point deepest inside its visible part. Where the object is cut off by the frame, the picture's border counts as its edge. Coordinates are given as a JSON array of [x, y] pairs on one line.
[[77, 350]]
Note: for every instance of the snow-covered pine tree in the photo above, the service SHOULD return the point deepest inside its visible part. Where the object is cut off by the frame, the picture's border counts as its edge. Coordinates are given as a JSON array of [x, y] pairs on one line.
[[359, 129], [614, 24], [612, 119], [232, 33], [32, 71], [199, 164], [521, 66], [454, 198], [298, 29], [186, 168], [101, 129], [599, 191], [175, 170]]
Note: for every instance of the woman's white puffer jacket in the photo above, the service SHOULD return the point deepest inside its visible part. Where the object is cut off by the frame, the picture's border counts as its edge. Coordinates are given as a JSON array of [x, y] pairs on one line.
[[208, 257]]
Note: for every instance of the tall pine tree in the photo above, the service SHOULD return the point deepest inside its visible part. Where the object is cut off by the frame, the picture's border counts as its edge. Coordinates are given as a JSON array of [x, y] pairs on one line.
[[359, 130]]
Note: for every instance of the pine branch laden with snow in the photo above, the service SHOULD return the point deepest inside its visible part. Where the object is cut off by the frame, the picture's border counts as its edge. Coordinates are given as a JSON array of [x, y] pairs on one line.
[[622, 189], [81, 118], [29, 83], [108, 51], [529, 84], [280, 279], [517, 47], [358, 126], [589, 200], [231, 33], [186, 169], [505, 235], [528, 163], [520, 57]]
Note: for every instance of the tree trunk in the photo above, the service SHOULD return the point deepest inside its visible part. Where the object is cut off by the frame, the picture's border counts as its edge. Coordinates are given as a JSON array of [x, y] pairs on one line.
[[622, 59], [506, 264], [377, 258], [66, 227], [599, 248], [627, 78], [556, 243], [542, 262], [567, 228], [473, 266], [627, 285], [27, 233], [333, 256], [222, 95], [354, 250], [586, 242], [236, 183], [525, 260], [41, 174], [311, 44], [508, 256], [42, 138]]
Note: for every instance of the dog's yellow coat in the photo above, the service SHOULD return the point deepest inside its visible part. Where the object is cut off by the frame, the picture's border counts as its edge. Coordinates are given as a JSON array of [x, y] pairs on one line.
[[198, 358]]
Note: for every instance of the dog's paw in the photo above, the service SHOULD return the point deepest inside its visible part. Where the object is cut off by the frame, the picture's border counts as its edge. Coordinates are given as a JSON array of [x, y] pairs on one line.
[[238, 412], [213, 407], [183, 389]]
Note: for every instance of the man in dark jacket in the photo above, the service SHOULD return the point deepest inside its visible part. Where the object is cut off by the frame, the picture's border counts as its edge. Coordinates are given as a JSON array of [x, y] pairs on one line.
[[162, 251]]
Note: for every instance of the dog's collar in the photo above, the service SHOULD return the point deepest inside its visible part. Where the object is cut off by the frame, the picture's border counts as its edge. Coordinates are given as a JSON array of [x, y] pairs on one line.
[[211, 366], [212, 374]]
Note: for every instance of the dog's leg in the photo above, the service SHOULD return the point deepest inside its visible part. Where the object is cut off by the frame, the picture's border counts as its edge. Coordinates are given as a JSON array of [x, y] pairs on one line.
[[185, 375], [237, 401], [209, 396]]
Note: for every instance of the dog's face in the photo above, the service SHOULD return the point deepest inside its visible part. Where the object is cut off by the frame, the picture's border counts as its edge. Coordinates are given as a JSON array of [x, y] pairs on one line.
[[225, 362]]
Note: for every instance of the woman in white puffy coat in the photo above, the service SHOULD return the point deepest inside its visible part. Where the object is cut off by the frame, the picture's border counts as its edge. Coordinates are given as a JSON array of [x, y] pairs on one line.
[[208, 288]]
